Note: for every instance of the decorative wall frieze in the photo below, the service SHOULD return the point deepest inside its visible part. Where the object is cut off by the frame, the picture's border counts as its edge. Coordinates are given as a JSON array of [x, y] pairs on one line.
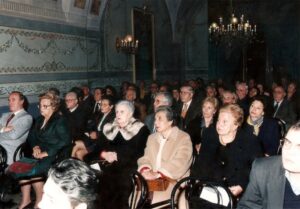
[[36, 88], [27, 51]]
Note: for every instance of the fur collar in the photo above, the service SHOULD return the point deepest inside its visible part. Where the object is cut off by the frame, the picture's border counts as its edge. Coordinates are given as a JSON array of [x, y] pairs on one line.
[[110, 130]]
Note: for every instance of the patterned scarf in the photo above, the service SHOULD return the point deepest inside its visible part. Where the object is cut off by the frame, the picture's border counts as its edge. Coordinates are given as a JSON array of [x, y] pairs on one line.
[[256, 124]]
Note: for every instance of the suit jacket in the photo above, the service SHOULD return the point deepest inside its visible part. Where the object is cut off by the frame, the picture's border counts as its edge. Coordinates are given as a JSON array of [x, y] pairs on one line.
[[193, 111], [267, 185], [149, 122], [12, 139], [286, 113]]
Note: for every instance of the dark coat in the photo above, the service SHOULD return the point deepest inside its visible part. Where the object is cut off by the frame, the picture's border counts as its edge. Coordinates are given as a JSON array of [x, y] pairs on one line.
[[286, 113], [229, 164], [77, 122], [269, 135], [54, 136], [267, 185]]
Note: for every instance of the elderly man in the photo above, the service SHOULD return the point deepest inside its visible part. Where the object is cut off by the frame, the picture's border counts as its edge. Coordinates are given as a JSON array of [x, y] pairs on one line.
[[282, 108], [15, 125], [243, 99], [189, 107], [275, 181], [161, 99]]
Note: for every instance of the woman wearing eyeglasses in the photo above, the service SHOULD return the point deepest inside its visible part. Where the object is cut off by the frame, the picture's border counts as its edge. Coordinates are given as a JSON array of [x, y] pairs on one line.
[[48, 136]]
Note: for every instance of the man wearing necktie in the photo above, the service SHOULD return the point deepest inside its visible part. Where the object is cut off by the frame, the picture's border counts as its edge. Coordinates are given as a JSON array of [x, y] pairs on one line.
[[14, 125], [189, 107], [282, 108]]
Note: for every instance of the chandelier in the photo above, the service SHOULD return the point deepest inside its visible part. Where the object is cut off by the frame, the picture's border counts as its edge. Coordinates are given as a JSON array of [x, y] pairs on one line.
[[127, 44], [236, 29]]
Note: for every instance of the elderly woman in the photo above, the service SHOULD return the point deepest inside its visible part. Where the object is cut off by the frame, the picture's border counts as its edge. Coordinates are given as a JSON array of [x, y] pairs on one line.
[[227, 151], [84, 146], [122, 143], [48, 136], [266, 129], [168, 154], [200, 123]]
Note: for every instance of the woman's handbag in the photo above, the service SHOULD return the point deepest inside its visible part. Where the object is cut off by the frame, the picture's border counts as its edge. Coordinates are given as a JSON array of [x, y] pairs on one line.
[[22, 167], [160, 184]]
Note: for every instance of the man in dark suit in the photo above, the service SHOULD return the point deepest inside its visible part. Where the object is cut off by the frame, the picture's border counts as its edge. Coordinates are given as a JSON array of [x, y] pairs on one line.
[[189, 107], [282, 109], [14, 125], [274, 181], [161, 99], [76, 116]]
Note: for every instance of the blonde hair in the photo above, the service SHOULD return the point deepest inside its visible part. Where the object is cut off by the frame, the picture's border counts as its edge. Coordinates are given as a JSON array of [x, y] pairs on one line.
[[211, 100], [236, 111], [54, 99]]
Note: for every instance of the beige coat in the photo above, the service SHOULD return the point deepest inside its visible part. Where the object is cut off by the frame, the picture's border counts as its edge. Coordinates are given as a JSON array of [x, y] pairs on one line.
[[176, 158]]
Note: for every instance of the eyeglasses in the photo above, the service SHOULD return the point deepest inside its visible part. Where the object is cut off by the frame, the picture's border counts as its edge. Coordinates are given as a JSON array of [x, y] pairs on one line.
[[44, 106], [69, 100], [185, 92]]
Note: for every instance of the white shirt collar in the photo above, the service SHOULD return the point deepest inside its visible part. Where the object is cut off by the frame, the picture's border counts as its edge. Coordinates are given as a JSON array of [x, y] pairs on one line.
[[17, 112], [72, 110]]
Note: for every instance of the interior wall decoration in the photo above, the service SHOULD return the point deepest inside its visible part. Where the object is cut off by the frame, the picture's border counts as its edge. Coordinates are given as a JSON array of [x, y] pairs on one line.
[[95, 7], [79, 4], [144, 60]]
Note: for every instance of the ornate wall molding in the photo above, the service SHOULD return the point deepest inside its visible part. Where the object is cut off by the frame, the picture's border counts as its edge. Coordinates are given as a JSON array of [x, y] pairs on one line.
[[27, 51], [36, 88]]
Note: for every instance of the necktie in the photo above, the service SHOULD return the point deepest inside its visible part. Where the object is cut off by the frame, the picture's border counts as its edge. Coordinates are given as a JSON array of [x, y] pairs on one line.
[[275, 108], [9, 118], [184, 110], [97, 107]]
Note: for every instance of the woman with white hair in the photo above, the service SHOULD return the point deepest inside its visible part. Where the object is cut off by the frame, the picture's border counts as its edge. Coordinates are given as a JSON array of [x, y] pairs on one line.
[[122, 143]]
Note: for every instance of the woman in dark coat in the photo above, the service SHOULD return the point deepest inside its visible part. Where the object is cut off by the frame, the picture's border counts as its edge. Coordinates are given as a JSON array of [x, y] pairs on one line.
[[123, 142], [266, 129], [227, 151], [196, 127], [48, 136]]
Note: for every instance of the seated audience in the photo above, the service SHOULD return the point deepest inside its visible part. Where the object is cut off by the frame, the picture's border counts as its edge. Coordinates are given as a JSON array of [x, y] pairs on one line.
[[274, 181], [49, 135], [14, 125], [200, 123], [266, 129], [88, 143], [168, 154], [227, 151], [122, 144], [71, 184]]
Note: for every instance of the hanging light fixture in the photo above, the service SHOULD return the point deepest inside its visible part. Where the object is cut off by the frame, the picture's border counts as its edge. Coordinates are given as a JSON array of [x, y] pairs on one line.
[[127, 44], [236, 29]]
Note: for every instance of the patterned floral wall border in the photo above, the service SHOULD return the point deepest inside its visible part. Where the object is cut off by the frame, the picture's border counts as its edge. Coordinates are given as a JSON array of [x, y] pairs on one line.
[[12, 38], [36, 88]]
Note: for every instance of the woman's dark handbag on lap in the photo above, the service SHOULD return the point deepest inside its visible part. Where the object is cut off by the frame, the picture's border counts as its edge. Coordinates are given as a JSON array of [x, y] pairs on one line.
[[23, 167]]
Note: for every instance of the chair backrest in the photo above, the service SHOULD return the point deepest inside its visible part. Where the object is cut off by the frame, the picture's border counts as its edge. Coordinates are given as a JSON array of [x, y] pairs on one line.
[[282, 127], [202, 194], [21, 151], [3, 159], [139, 192]]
